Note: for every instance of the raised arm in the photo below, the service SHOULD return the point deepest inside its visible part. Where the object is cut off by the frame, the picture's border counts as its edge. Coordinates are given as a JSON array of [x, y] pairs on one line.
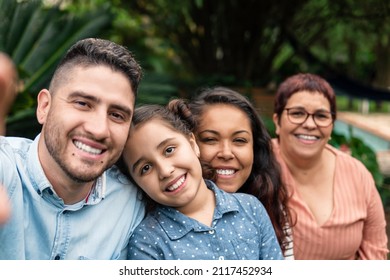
[[5, 208]]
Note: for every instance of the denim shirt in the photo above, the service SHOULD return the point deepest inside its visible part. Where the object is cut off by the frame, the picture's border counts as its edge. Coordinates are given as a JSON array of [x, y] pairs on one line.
[[43, 227], [240, 230]]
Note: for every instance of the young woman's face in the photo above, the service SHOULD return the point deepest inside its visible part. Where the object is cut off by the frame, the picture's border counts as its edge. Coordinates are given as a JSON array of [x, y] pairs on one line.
[[306, 140], [225, 140], [164, 163]]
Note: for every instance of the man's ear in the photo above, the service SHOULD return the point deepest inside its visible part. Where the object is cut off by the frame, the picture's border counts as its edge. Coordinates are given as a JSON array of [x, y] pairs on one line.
[[194, 145], [276, 123], [44, 103]]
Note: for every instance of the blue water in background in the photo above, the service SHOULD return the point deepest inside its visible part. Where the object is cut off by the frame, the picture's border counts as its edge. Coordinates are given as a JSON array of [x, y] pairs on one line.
[[374, 142]]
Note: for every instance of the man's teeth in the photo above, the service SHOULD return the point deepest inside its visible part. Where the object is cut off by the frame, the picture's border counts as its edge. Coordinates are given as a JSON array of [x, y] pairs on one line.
[[225, 171], [87, 148], [177, 184], [307, 137]]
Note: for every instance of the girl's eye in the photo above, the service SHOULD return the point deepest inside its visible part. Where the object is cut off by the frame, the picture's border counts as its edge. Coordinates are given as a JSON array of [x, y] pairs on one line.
[[169, 151], [145, 169]]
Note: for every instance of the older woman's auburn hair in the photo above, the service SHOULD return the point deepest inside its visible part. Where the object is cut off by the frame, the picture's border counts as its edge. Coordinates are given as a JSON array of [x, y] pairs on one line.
[[303, 82]]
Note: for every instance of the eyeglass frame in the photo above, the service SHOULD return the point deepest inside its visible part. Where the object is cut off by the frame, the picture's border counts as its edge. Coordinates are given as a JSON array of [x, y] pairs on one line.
[[308, 115]]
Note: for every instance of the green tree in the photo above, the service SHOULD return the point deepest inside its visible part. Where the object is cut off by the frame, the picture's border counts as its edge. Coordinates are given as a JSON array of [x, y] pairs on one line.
[[36, 36], [348, 37], [258, 42]]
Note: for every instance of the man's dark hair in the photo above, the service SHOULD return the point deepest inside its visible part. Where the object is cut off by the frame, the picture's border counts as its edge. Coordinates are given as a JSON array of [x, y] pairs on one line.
[[94, 52]]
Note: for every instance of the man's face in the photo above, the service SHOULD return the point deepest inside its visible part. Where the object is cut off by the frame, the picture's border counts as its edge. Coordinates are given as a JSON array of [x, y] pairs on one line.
[[86, 123]]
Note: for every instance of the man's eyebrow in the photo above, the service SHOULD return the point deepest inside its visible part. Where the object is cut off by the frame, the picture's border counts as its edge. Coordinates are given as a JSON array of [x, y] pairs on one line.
[[84, 95], [124, 109]]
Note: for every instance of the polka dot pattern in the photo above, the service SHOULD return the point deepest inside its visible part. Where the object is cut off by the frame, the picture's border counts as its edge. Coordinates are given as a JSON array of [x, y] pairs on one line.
[[241, 230]]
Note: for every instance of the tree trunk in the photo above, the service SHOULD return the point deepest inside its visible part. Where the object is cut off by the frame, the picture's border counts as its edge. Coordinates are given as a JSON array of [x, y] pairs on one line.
[[382, 77]]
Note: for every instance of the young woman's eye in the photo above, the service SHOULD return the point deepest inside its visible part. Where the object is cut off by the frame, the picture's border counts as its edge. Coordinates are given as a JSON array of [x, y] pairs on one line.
[[241, 140], [169, 150], [207, 140]]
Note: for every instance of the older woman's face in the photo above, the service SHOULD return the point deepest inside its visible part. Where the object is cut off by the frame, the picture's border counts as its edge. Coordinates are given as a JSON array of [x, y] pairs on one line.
[[306, 140], [225, 139]]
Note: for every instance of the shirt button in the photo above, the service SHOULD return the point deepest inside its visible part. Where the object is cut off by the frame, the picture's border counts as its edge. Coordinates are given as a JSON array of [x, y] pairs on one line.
[[211, 231], [57, 257], [221, 258]]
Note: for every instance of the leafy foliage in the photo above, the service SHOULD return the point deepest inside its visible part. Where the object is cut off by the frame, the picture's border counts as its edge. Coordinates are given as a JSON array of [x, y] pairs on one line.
[[36, 36], [361, 151], [261, 42], [367, 156]]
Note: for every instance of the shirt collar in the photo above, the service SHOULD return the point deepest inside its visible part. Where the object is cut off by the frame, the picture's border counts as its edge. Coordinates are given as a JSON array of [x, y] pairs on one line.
[[35, 170], [176, 224], [41, 183], [98, 191]]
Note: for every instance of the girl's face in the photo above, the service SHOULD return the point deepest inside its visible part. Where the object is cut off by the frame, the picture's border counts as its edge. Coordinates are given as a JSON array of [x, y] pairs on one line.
[[225, 140], [164, 163], [306, 140]]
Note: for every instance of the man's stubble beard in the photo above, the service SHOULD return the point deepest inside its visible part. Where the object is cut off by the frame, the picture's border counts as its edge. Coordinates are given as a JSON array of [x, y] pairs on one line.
[[52, 134]]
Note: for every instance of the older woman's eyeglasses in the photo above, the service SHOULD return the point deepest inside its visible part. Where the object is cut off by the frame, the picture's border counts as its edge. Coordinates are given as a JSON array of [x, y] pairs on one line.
[[299, 116]]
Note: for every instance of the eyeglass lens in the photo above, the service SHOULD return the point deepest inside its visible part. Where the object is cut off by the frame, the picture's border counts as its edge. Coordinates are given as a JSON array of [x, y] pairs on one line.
[[299, 116]]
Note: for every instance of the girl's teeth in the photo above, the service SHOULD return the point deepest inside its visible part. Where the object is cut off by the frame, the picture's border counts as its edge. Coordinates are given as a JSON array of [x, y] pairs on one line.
[[177, 184]]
